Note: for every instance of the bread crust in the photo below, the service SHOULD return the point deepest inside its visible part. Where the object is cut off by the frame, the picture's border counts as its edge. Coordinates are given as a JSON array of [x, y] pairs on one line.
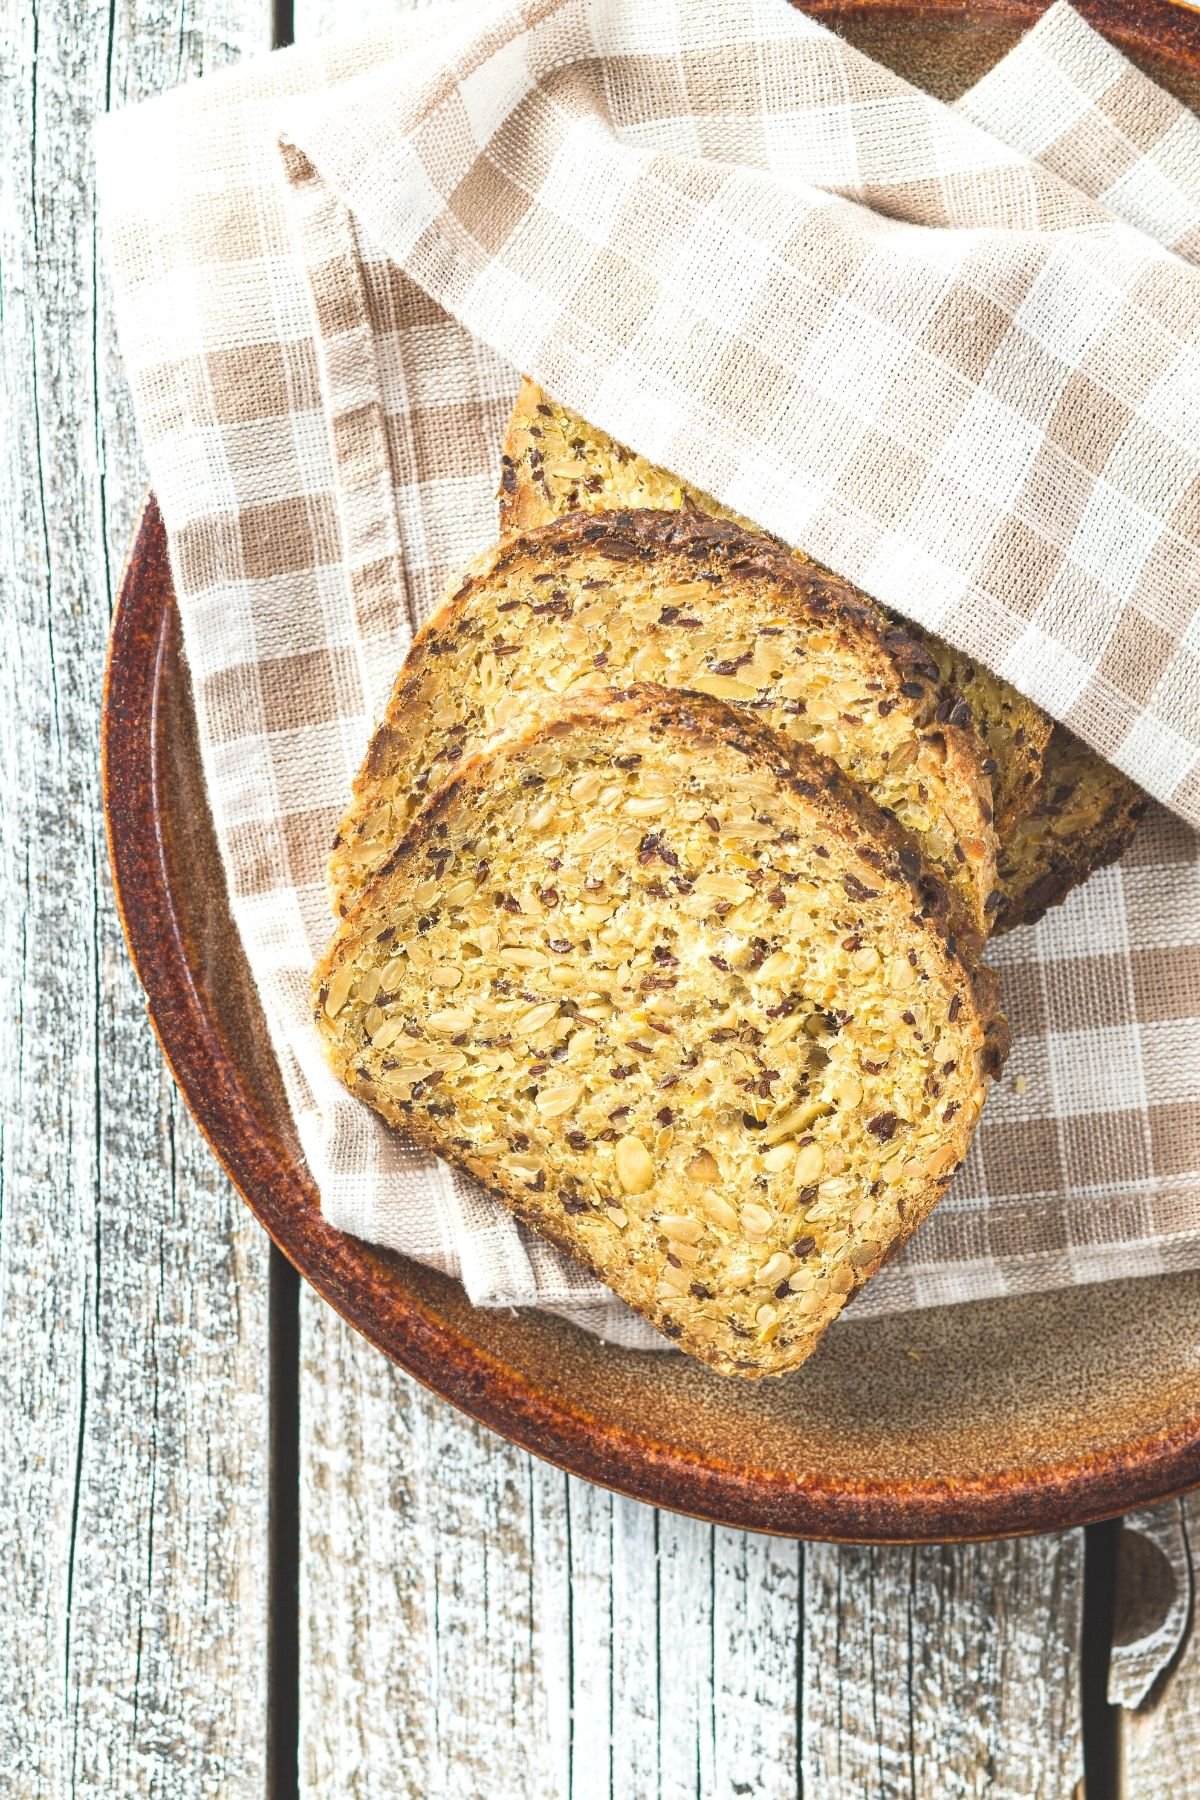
[[1015, 731], [767, 1224], [1084, 819], [664, 593], [553, 462]]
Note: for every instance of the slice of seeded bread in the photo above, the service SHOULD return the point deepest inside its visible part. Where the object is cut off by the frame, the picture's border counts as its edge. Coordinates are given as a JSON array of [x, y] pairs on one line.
[[1015, 731], [1084, 819], [554, 462], [685, 1000], [687, 601]]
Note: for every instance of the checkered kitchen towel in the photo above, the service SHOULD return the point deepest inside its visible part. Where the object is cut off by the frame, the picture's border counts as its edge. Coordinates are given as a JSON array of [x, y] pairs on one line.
[[951, 352]]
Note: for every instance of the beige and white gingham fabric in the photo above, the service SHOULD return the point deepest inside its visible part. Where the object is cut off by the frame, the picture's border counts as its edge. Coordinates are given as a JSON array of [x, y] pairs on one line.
[[954, 353]]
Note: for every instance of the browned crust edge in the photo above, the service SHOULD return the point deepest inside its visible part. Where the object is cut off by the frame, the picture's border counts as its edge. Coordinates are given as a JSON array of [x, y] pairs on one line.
[[1100, 808], [641, 534], [519, 508], [1098, 850]]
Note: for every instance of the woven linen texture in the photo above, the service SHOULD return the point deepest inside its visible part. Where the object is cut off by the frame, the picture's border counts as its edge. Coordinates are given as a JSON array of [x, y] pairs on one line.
[[951, 352]]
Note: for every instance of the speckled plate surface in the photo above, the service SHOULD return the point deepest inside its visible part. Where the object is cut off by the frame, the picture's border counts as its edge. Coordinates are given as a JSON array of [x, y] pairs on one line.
[[1014, 1415]]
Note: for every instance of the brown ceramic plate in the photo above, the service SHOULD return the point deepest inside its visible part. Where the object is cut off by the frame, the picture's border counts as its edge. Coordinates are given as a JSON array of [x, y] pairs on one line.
[[1014, 1415]]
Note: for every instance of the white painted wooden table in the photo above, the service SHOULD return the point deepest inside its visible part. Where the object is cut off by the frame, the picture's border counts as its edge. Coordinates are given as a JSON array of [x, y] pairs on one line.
[[240, 1554]]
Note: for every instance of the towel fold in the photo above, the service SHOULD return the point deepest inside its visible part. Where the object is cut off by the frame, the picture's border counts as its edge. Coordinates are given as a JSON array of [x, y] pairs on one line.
[[952, 352]]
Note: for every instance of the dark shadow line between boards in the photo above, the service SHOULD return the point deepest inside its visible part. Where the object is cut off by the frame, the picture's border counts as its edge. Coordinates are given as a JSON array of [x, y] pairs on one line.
[[283, 1531], [1100, 1771], [283, 1491]]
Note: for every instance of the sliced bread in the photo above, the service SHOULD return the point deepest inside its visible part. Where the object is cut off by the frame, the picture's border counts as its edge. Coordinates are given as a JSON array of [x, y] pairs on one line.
[[554, 462], [684, 999], [692, 602], [1085, 817], [1015, 731]]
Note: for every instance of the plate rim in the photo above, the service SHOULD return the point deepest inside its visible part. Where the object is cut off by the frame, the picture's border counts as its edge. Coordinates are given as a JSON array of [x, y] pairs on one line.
[[266, 1174], [1137, 27]]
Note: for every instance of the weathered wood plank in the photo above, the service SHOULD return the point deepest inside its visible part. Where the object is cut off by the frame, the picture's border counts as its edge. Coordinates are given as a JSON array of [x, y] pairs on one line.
[[132, 1283], [574, 1644], [1159, 1741], [316, 18], [757, 1644], [638, 1628], [933, 1673], [550, 1603], [436, 1642], [685, 1658], [368, 1618], [590, 1518]]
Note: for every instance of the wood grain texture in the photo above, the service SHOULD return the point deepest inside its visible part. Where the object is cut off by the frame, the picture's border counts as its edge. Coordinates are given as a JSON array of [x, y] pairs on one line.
[[132, 1282], [433, 1642], [475, 1623], [944, 1671], [1159, 1741]]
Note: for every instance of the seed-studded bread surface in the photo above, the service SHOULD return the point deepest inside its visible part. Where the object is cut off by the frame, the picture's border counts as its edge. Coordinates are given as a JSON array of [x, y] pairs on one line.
[[687, 601], [554, 462], [685, 1000], [1085, 818], [1015, 731]]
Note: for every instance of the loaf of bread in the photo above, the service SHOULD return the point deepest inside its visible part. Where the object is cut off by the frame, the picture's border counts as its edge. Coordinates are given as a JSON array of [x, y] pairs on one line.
[[683, 998], [1085, 817], [553, 462], [690, 602]]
